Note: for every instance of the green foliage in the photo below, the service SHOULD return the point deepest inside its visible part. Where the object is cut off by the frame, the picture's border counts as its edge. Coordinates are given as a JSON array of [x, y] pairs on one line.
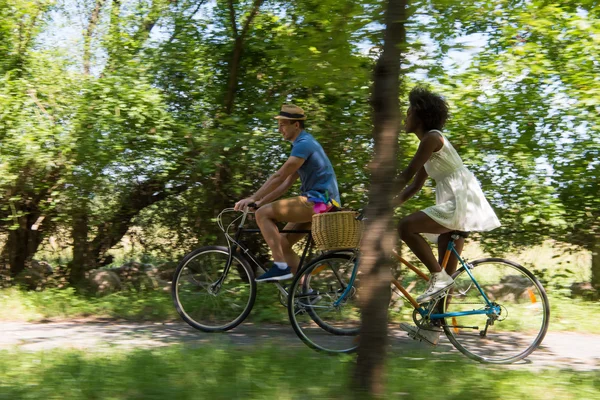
[[152, 109], [267, 373], [529, 101]]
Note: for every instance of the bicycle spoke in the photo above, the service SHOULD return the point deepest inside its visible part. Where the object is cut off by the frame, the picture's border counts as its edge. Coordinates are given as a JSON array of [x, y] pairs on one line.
[[503, 337], [196, 299]]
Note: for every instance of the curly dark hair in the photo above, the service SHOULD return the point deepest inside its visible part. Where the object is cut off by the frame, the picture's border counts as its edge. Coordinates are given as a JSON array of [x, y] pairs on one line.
[[430, 108]]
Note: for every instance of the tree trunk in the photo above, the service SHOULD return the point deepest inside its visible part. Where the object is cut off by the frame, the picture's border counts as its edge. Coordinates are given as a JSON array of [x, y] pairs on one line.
[[380, 237], [117, 52], [31, 223], [80, 228], [596, 262], [87, 38], [236, 54], [14, 252], [26, 34], [144, 29], [89, 255], [22, 244], [233, 75]]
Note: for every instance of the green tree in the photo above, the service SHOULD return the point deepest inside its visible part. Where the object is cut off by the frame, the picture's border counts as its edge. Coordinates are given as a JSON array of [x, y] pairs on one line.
[[531, 101], [34, 94], [379, 241]]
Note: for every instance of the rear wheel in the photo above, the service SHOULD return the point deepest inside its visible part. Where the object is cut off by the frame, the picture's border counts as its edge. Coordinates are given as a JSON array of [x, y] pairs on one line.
[[515, 324], [206, 299]]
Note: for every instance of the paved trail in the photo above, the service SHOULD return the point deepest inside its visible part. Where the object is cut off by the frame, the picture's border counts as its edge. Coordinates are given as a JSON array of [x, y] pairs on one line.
[[559, 349]]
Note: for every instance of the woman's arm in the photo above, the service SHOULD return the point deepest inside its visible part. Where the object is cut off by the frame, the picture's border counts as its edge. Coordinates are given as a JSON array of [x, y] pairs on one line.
[[413, 188], [430, 143]]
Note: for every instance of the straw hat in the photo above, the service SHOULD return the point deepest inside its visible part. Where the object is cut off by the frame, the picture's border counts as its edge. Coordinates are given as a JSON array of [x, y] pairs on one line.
[[292, 112]]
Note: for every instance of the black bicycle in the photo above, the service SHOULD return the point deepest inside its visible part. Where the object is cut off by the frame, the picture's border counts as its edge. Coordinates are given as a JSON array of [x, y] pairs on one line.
[[214, 288]]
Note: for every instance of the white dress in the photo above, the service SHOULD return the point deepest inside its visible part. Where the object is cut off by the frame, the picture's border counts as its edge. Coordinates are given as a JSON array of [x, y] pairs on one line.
[[459, 201]]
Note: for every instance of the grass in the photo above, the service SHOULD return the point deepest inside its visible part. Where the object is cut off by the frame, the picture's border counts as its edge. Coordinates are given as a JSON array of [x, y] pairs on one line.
[[267, 373], [178, 372], [19, 305], [574, 315]]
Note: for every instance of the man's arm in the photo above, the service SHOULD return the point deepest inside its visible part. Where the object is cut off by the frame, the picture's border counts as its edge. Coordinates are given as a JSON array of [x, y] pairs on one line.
[[290, 167], [284, 187]]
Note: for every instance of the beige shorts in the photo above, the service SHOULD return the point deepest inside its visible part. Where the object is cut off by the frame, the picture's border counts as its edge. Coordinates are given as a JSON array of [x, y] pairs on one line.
[[294, 209], [297, 212]]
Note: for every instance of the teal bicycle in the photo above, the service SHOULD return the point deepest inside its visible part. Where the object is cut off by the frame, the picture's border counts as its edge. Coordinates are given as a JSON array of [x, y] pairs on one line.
[[496, 312]]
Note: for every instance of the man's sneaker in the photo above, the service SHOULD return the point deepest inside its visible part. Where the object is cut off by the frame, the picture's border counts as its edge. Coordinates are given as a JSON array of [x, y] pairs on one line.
[[431, 335], [439, 282], [276, 274]]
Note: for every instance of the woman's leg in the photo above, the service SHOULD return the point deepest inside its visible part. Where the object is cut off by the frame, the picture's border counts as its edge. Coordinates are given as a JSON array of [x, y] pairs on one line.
[[443, 246], [411, 227]]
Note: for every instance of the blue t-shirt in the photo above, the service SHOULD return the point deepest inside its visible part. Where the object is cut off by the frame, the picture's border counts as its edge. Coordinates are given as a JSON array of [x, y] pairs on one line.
[[316, 174]]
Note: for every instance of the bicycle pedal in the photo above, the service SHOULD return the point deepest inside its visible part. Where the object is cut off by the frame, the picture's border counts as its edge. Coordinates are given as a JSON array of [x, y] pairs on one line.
[[299, 310]]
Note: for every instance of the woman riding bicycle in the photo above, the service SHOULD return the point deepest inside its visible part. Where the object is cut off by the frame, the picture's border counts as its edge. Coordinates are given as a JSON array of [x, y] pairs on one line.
[[460, 202]]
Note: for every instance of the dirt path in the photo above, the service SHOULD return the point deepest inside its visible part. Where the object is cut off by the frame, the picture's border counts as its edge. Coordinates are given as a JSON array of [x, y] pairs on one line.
[[559, 349]]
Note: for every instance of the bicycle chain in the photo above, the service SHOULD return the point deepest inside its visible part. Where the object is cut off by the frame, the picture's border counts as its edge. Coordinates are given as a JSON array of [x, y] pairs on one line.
[[425, 322]]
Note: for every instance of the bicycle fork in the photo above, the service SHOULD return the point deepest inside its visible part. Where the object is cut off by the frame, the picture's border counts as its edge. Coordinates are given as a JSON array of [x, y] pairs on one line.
[[350, 284]]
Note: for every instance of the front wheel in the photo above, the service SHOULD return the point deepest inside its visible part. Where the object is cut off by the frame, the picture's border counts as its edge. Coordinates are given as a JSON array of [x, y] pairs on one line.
[[514, 325], [208, 299], [318, 316]]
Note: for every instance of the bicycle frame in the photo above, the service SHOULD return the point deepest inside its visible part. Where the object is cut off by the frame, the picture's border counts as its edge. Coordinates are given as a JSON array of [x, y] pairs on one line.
[[233, 244], [491, 308]]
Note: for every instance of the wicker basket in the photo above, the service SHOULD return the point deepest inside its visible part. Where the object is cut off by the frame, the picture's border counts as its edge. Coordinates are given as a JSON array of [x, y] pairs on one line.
[[336, 230]]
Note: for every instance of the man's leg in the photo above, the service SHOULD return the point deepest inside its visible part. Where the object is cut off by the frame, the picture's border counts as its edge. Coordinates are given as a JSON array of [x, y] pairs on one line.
[[265, 219], [289, 239], [293, 210]]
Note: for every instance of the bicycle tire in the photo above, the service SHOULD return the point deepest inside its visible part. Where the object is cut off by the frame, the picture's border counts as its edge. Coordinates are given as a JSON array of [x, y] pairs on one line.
[[314, 318], [520, 326], [192, 293]]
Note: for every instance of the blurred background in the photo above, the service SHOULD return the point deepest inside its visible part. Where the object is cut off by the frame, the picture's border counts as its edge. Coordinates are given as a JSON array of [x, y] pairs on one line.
[[127, 125]]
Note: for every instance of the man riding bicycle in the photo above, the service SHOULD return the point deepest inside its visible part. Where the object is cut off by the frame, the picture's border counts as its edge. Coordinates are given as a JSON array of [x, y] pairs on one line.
[[318, 192]]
